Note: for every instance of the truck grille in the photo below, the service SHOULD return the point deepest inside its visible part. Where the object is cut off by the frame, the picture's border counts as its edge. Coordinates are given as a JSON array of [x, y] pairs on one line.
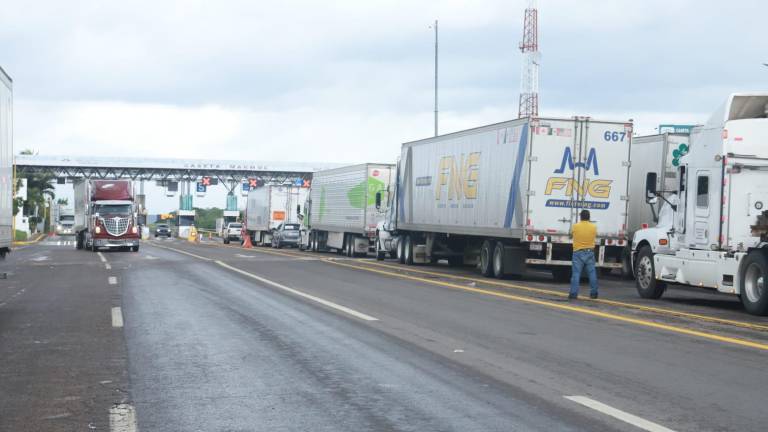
[[116, 226]]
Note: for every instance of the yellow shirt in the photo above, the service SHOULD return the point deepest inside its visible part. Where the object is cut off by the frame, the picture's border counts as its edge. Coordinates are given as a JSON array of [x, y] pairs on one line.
[[584, 234]]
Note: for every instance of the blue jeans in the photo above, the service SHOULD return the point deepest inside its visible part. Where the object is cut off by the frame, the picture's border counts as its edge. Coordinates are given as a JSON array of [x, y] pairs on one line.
[[584, 258]]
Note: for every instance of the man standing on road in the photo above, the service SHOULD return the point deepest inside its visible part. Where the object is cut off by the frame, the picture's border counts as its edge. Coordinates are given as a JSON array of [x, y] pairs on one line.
[[584, 234]]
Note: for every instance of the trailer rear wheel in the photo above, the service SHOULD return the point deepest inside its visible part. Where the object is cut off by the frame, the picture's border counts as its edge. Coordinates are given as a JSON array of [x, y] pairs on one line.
[[408, 251], [486, 258], [401, 250], [754, 293], [350, 245], [645, 275], [498, 261]]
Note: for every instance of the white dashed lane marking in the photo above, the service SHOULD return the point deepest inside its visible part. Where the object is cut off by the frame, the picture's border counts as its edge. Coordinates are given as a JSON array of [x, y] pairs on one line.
[[117, 317], [616, 413]]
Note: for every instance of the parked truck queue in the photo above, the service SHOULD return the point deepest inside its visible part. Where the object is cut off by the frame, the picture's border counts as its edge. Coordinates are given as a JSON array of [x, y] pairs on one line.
[[503, 198]]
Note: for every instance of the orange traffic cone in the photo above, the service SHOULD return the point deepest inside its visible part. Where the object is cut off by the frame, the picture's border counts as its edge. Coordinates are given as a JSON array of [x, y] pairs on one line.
[[247, 241]]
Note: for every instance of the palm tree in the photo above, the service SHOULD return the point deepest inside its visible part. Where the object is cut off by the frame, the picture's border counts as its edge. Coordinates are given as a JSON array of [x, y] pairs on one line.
[[40, 189]]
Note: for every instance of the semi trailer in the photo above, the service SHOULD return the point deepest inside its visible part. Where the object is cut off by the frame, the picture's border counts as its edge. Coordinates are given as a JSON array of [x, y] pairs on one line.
[[270, 205], [504, 196], [342, 212], [713, 230], [651, 153], [6, 163], [105, 215]]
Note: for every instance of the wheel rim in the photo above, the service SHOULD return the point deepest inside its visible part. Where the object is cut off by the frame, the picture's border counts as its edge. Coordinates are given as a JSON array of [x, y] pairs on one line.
[[644, 272], [754, 286]]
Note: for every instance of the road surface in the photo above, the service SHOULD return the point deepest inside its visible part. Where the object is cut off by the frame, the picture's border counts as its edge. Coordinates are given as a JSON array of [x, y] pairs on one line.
[[203, 337]]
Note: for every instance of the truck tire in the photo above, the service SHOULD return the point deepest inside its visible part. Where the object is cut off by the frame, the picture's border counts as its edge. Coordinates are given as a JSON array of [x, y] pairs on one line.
[[626, 266], [349, 248], [754, 292], [408, 251], [486, 258], [380, 254], [226, 240], [401, 250], [498, 261], [135, 249], [561, 273], [79, 241], [645, 275]]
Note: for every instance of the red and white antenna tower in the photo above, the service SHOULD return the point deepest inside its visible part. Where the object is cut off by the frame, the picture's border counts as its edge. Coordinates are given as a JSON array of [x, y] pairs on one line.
[[529, 78]]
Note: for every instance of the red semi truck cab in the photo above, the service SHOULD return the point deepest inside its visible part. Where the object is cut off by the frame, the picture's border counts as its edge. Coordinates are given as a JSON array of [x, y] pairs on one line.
[[105, 215]]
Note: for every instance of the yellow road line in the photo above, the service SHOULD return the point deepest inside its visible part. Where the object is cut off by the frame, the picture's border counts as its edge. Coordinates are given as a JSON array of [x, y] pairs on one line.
[[663, 311], [570, 308], [488, 281], [28, 242]]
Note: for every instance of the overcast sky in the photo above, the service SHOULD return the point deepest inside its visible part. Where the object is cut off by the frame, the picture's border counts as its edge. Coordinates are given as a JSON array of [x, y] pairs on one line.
[[348, 81]]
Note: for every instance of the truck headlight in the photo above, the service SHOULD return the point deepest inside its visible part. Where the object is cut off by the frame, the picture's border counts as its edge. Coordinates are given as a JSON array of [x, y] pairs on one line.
[[134, 230], [97, 230]]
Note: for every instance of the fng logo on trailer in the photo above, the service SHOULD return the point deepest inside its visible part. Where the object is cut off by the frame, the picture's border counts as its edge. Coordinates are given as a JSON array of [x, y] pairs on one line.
[[596, 188], [460, 175]]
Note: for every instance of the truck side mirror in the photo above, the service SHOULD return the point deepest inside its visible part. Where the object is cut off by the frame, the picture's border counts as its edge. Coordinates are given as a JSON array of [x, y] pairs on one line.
[[378, 200], [650, 186], [298, 209]]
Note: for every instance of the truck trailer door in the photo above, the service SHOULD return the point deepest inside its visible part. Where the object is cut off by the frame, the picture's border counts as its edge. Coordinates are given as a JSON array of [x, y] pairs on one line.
[[602, 169], [552, 175]]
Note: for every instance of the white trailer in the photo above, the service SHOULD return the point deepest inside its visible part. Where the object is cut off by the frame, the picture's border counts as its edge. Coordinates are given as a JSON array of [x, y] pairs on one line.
[[651, 153], [6, 163], [506, 195], [717, 234], [341, 213], [269, 206]]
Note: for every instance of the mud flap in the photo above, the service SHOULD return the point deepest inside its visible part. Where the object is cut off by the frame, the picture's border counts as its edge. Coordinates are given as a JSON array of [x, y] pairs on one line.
[[514, 260]]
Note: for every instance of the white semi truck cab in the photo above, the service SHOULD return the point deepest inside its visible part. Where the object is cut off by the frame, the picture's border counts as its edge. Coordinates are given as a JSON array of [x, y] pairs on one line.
[[715, 230]]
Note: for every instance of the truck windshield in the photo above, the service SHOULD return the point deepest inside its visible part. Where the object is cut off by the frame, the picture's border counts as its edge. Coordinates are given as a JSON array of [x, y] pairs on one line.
[[112, 208], [66, 218], [291, 227], [237, 225]]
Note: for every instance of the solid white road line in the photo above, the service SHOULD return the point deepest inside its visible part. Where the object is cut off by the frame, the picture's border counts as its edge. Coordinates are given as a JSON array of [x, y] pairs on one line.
[[122, 418], [117, 317], [184, 252], [323, 302], [112, 280], [619, 414], [101, 257]]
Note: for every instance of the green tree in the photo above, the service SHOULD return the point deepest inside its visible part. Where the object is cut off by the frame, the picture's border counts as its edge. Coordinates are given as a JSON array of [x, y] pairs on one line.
[[206, 218]]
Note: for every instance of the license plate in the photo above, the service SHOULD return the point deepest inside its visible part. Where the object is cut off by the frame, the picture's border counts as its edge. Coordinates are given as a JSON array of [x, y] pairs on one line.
[[536, 246]]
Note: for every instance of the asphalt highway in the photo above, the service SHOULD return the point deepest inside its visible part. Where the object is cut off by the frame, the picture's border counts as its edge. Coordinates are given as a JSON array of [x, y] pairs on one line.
[[204, 337]]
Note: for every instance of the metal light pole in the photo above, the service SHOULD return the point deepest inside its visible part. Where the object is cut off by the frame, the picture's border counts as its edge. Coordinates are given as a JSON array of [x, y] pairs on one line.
[[436, 39]]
